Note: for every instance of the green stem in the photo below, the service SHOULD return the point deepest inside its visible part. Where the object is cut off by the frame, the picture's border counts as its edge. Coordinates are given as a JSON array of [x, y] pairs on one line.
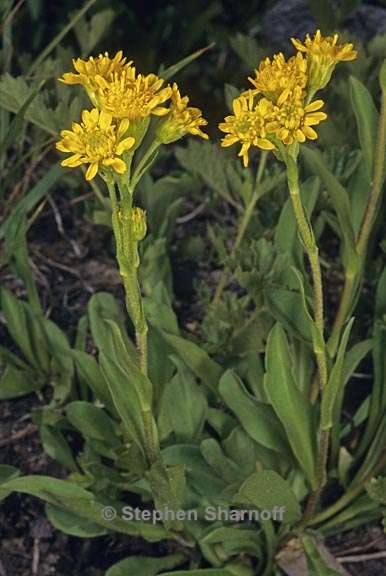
[[310, 246], [352, 280], [143, 164], [127, 257], [312, 251], [243, 225], [324, 441], [348, 496]]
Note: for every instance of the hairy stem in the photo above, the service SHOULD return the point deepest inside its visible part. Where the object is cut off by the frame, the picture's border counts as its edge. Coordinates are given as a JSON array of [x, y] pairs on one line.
[[310, 246], [312, 251], [127, 257]]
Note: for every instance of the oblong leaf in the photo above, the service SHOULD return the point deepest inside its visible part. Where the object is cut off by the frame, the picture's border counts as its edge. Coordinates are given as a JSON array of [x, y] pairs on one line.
[[366, 117], [291, 407], [268, 491], [257, 418]]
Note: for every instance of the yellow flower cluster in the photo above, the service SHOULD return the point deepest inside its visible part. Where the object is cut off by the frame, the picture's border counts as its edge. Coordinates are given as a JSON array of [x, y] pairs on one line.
[[97, 141], [279, 109], [124, 102]]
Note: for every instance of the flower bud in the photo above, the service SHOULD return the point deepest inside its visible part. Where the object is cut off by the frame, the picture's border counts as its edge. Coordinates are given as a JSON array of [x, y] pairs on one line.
[[138, 221]]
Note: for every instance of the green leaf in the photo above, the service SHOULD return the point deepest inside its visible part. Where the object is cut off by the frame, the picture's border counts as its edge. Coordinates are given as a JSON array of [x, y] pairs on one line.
[[214, 168], [89, 372], [196, 359], [62, 366], [63, 32], [333, 389], [144, 566], [287, 307], [8, 473], [77, 500], [123, 386], [15, 382], [168, 490], [186, 405], [257, 418], [266, 490], [242, 450], [341, 203], [317, 564], [247, 49], [73, 524], [223, 466], [352, 359], [26, 329], [366, 117], [199, 475], [286, 230], [17, 122], [230, 94], [376, 489], [90, 32], [56, 446], [355, 356], [204, 572], [168, 73], [92, 422], [378, 394], [235, 540], [102, 307], [290, 405]]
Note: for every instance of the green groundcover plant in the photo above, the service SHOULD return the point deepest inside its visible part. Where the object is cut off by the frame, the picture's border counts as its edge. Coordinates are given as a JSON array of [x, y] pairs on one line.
[[235, 448]]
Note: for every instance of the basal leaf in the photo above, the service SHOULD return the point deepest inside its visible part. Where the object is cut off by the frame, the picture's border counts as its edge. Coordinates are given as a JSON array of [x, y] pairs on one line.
[[266, 490], [288, 402], [257, 418]]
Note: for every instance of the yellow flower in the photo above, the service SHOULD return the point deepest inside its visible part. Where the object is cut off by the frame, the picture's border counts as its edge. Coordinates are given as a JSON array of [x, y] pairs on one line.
[[126, 95], [97, 141], [88, 70], [276, 75], [293, 119], [323, 53], [248, 125], [182, 119]]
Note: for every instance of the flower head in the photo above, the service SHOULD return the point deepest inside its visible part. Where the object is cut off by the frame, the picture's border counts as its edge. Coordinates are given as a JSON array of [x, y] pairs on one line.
[[182, 119], [248, 124], [292, 119], [88, 70], [96, 141], [127, 95], [323, 53], [278, 75]]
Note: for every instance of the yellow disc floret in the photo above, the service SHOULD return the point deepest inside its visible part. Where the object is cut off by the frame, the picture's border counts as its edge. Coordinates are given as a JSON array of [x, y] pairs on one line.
[[247, 125], [96, 141], [127, 95], [274, 76], [323, 53], [88, 70], [293, 119], [181, 119]]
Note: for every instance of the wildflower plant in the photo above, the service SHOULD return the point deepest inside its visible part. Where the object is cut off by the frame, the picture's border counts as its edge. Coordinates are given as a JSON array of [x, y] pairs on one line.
[[106, 140], [250, 421]]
